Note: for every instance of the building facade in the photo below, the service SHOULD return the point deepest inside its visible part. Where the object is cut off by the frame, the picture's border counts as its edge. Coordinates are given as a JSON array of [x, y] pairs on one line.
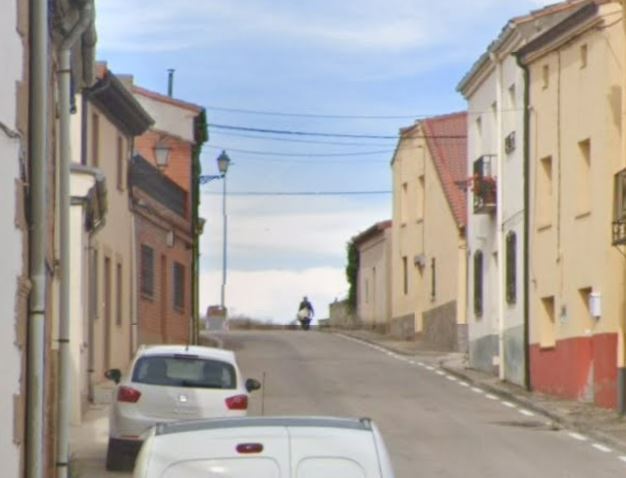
[[106, 121], [576, 271], [373, 306], [164, 201], [428, 232], [494, 89]]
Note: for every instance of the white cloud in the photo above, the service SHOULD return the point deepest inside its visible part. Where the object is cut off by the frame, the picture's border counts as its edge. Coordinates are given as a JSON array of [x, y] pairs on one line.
[[389, 25], [274, 295]]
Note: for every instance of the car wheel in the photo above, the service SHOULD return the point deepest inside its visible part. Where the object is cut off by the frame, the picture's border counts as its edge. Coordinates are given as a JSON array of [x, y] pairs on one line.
[[118, 459]]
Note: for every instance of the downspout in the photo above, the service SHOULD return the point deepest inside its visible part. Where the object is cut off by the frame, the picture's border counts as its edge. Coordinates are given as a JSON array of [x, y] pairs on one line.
[[526, 239], [499, 218], [621, 346], [38, 146], [64, 85]]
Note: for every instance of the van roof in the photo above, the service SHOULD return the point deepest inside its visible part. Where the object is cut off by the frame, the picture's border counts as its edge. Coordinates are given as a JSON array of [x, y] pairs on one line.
[[364, 424]]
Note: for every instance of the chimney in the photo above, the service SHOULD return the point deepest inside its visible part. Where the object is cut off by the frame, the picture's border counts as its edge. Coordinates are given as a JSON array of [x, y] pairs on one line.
[[170, 82]]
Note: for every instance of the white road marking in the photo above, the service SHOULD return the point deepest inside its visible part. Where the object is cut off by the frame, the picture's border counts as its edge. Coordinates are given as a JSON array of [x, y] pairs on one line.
[[602, 448], [577, 436], [451, 378], [508, 404], [477, 390], [421, 364], [428, 367], [623, 458], [463, 384], [528, 413], [439, 372], [491, 397], [412, 362]]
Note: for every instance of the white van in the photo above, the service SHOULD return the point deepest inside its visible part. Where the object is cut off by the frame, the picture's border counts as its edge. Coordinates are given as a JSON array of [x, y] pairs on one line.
[[265, 447]]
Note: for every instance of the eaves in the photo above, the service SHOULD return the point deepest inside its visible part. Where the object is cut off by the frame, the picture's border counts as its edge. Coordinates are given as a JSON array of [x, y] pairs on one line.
[[572, 27]]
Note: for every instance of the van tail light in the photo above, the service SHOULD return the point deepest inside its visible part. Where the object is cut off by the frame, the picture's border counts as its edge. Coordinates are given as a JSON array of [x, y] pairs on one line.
[[238, 402], [128, 394], [245, 448]]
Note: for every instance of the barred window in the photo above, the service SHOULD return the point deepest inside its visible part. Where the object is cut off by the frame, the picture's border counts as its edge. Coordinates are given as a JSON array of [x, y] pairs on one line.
[[478, 283], [179, 286], [147, 270]]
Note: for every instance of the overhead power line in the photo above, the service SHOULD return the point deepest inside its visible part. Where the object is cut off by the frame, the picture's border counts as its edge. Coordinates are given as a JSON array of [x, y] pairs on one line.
[[306, 141], [327, 135], [302, 193], [276, 153]]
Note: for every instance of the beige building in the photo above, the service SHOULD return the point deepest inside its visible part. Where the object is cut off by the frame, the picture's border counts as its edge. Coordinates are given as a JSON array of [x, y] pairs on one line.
[[103, 307], [576, 274], [428, 233], [374, 276]]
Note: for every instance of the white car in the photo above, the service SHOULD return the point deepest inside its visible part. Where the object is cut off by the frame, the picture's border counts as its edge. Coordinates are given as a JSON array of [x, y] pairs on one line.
[[265, 447], [169, 383]]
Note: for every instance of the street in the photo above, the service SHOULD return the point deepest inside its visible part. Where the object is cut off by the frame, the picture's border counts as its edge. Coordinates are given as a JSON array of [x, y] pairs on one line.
[[433, 423]]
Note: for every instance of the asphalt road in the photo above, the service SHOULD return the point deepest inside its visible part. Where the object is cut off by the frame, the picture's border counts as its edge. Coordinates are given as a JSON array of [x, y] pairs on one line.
[[433, 424]]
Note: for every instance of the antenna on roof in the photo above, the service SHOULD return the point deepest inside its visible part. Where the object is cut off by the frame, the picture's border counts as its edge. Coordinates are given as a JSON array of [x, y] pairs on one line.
[[170, 82]]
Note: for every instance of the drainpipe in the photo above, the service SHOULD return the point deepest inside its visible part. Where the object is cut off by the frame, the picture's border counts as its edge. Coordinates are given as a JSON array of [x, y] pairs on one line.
[[64, 85], [526, 179], [621, 346], [38, 146], [499, 218]]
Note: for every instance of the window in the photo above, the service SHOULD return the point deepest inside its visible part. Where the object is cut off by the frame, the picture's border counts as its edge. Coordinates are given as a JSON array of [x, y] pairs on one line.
[[583, 307], [478, 283], [544, 205], [179, 286], [181, 371], [147, 270], [120, 163], [433, 278], [95, 140], [584, 177], [420, 197], [404, 201], [547, 324], [511, 268], [367, 291], [479, 127], [512, 97], [583, 56], [545, 76], [405, 275], [118, 294]]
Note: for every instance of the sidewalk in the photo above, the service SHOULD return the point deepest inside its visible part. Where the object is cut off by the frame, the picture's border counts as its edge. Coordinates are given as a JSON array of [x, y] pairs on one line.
[[596, 423]]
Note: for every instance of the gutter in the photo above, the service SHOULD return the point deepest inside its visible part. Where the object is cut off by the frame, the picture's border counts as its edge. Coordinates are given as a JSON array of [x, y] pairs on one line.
[[84, 24], [38, 237], [526, 179]]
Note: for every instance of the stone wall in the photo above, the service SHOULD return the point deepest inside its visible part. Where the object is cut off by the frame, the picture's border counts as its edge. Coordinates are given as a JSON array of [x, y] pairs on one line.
[[403, 327], [342, 316]]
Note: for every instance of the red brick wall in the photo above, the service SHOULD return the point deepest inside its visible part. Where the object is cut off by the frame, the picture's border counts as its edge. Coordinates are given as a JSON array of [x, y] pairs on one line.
[[159, 321], [564, 370], [180, 159]]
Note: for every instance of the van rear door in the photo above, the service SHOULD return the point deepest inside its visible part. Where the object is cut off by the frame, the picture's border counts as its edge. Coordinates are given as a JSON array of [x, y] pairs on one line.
[[259, 452], [333, 452]]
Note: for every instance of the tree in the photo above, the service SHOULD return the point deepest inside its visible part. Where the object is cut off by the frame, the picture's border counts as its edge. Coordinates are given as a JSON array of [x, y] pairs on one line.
[[352, 270]]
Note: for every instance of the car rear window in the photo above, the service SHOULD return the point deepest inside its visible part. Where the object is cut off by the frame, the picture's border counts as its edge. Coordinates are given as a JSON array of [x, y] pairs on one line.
[[183, 371]]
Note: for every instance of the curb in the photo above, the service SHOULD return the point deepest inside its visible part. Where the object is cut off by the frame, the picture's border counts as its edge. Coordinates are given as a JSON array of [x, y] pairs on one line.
[[563, 422]]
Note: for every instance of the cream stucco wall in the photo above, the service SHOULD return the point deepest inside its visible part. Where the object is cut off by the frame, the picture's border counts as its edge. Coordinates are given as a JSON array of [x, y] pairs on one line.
[[571, 247], [374, 280], [10, 236], [425, 228]]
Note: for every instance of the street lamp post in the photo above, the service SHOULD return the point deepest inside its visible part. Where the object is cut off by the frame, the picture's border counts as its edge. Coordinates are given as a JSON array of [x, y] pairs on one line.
[[223, 162]]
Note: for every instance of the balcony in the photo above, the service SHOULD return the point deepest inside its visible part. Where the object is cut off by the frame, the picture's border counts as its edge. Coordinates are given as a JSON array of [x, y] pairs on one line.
[[484, 185]]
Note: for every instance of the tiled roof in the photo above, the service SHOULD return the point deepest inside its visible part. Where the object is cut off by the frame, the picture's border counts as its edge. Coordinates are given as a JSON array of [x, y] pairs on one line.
[[372, 231], [446, 137]]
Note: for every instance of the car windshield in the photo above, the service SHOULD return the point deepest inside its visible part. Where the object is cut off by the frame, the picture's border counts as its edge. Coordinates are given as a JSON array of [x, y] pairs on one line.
[[184, 371]]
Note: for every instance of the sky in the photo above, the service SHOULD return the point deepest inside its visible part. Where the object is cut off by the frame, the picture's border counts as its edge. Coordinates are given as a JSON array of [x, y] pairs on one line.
[[364, 68]]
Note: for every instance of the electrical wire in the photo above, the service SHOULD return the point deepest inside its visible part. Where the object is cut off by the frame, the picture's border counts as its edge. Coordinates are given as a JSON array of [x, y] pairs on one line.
[[301, 193], [306, 141], [328, 135], [311, 155]]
